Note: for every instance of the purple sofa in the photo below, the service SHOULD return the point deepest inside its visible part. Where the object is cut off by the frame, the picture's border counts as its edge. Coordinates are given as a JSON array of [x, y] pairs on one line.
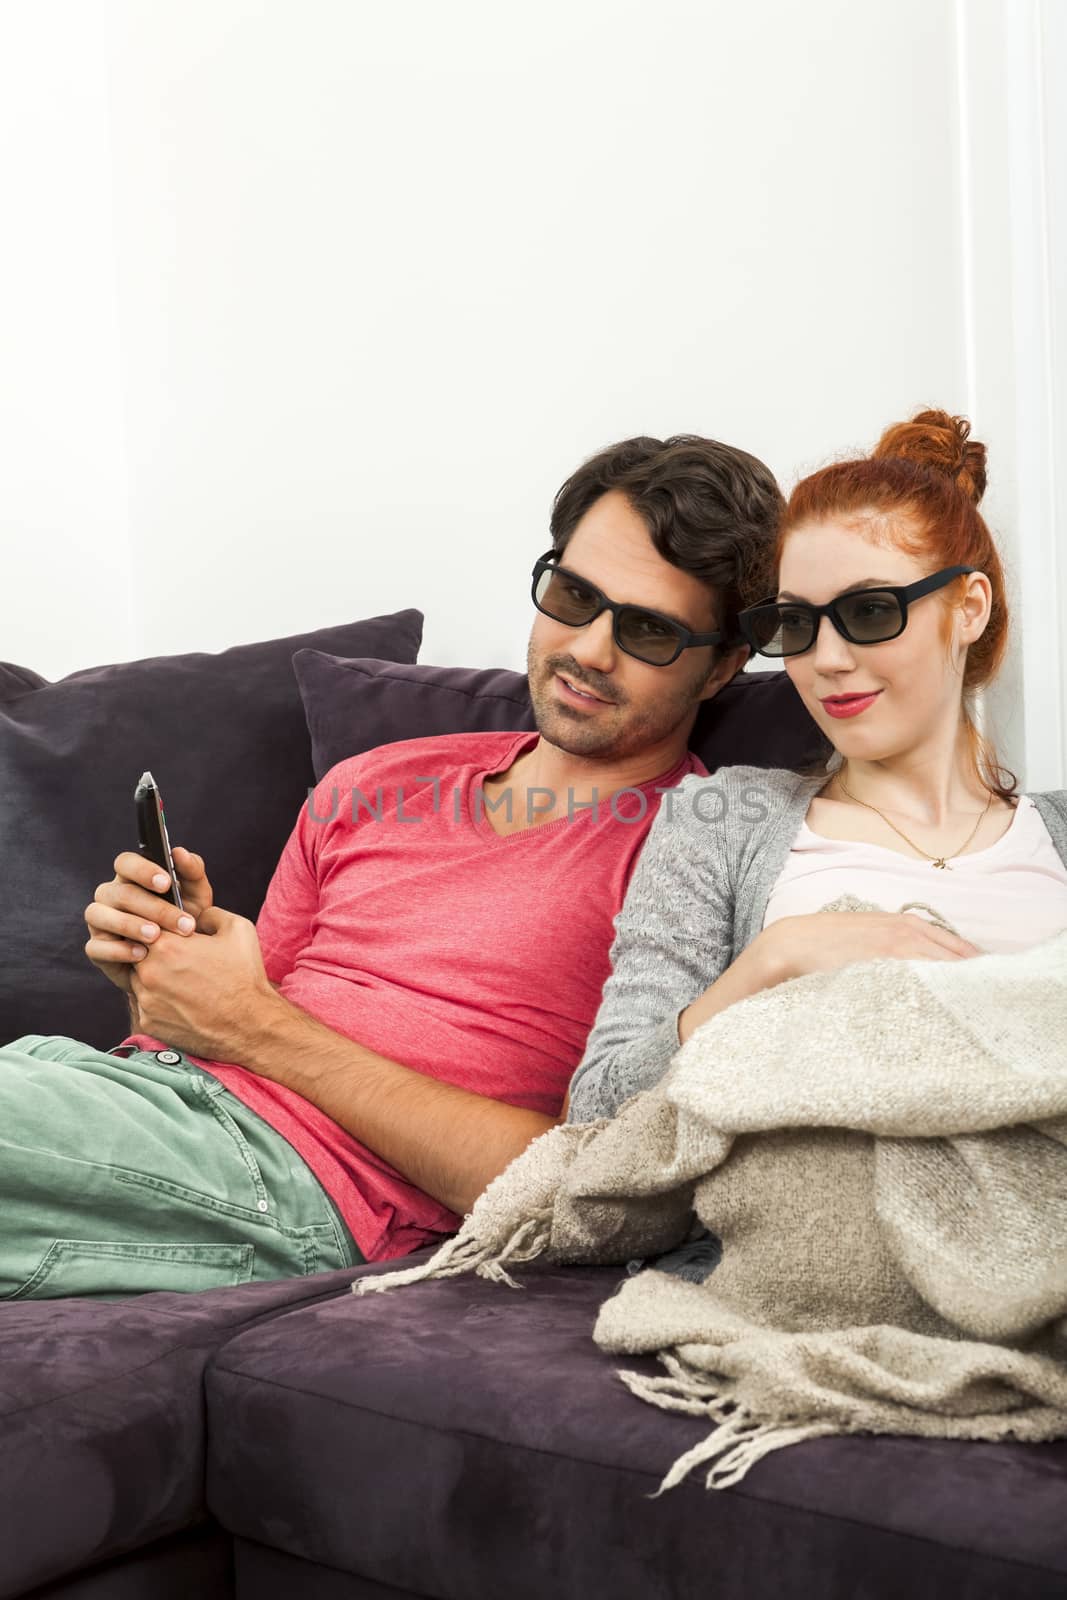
[[456, 1440]]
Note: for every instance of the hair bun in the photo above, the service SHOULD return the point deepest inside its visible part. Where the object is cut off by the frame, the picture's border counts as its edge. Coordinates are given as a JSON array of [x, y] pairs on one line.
[[942, 442]]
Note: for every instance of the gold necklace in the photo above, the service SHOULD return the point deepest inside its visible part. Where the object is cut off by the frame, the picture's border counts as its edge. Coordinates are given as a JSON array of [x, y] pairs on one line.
[[936, 861]]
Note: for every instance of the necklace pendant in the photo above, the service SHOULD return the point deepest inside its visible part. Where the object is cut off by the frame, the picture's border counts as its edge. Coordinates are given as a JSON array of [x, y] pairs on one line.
[[941, 862]]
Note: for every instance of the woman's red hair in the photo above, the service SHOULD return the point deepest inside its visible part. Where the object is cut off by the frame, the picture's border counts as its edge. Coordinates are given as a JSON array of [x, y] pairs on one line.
[[919, 491]]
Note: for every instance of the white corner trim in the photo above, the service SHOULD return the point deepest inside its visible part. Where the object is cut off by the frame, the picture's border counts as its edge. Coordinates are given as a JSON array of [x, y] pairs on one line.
[[1012, 159], [966, 189], [1042, 572]]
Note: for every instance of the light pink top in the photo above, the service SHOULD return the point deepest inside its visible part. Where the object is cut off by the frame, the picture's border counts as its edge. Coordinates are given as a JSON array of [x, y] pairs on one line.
[[1007, 897]]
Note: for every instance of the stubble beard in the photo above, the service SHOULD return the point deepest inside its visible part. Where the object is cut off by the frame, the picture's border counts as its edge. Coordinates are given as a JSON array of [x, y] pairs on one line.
[[614, 735]]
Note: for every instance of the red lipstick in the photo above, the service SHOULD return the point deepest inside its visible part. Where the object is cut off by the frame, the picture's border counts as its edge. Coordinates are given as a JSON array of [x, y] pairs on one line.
[[848, 705]]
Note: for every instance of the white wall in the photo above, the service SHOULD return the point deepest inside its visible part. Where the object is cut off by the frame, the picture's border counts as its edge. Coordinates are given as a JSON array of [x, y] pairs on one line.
[[312, 307], [66, 586]]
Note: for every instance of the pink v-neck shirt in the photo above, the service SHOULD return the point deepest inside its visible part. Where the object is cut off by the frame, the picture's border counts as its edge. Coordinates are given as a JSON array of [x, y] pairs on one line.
[[399, 917]]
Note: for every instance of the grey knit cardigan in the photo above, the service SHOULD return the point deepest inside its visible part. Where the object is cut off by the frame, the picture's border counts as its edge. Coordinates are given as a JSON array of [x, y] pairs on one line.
[[697, 898]]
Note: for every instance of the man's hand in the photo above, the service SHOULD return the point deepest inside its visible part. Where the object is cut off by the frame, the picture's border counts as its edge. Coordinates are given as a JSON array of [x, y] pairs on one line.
[[207, 993], [125, 917]]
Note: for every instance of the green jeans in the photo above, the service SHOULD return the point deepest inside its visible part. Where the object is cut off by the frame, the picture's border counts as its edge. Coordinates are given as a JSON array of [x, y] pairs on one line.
[[123, 1175]]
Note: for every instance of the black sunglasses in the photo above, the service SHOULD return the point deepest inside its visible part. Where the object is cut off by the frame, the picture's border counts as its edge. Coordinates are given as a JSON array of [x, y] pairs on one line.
[[862, 616], [646, 635]]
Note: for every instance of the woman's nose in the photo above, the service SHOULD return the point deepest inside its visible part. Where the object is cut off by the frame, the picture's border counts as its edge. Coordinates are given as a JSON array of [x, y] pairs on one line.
[[831, 651]]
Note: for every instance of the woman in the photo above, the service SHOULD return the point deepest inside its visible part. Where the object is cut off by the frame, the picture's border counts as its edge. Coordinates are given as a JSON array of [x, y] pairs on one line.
[[880, 1150], [891, 617]]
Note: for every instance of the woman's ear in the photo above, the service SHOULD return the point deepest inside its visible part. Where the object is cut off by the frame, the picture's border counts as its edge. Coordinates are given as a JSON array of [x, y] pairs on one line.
[[975, 607]]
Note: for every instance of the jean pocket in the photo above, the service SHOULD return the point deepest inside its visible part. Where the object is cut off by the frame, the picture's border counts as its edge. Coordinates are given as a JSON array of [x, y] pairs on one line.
[[107, 1268]]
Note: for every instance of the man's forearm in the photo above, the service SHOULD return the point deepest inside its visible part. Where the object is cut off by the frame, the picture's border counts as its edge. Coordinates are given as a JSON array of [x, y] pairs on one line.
[[446, 1141]]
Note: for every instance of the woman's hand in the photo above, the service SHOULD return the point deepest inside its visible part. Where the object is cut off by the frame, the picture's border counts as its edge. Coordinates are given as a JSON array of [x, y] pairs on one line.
[[822, 941]]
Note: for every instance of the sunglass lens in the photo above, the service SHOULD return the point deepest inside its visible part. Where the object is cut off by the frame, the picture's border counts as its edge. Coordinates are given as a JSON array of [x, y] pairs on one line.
[[779, 630], [566, 598], [870, 616], [646, 636]]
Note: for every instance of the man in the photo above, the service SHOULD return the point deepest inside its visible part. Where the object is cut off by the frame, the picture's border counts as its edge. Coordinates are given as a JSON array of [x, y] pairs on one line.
[[339, 1081]]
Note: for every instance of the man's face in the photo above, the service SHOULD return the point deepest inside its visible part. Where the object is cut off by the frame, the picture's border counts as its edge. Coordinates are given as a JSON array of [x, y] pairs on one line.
[[590, 698]]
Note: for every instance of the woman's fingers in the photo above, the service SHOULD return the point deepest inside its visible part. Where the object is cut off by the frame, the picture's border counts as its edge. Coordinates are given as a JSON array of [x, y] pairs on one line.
[[950, 943]]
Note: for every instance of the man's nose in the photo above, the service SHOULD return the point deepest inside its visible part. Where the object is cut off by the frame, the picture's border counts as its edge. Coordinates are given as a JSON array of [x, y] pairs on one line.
[[831, 652], [594, 645]]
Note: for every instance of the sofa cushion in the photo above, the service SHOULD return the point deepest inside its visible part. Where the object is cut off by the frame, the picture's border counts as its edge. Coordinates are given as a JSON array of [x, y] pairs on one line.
[[198, 1561], [263, 1573], [16, 680], [226, 739], [758, 719], [462, 1440], [102, 1419]]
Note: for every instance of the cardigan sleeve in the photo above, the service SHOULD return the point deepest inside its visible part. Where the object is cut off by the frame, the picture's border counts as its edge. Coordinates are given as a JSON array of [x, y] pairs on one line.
[[673, 937], [1052, 805]]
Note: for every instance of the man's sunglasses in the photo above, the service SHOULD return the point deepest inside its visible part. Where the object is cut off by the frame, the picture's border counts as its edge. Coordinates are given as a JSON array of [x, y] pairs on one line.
[[862, 616], [646, 635]]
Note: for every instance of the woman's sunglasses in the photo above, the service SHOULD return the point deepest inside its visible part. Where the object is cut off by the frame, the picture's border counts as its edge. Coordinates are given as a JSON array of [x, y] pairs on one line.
[[646, 635], [862, 616]]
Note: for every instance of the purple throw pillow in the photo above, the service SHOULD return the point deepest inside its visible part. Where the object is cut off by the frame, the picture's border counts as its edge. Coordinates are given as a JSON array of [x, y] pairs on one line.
[[225, 737], [757, 720], [16, 680]]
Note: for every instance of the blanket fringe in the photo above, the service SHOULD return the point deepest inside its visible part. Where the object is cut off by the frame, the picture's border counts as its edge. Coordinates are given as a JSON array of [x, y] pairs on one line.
[[469, 1253], [738, 1441]]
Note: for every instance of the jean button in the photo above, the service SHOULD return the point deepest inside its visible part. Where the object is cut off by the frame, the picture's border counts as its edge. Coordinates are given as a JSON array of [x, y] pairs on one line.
[[169, 1058], [261, 1205]]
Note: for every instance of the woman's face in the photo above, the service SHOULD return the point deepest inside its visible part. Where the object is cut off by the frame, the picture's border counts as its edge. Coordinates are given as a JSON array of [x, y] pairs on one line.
[[911, 685]]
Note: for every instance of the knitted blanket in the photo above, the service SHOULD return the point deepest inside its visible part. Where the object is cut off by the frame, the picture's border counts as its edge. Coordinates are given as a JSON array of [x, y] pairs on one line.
[[882, 1151]]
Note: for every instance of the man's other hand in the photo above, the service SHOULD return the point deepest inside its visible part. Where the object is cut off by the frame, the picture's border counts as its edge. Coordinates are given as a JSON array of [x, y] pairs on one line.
[[125, 917], [207, 993]]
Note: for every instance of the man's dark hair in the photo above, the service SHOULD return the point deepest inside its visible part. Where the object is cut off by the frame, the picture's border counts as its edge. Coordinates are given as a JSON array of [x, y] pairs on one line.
[[710, 509]]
